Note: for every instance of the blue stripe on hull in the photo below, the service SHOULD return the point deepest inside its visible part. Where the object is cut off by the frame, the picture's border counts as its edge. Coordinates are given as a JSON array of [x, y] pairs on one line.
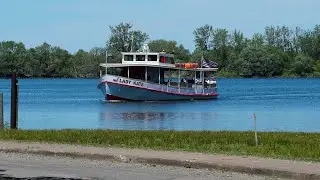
[[139, 94], [104, 88]]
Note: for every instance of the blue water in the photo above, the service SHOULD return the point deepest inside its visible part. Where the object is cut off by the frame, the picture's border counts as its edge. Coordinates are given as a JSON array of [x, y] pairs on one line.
[[280, 105]]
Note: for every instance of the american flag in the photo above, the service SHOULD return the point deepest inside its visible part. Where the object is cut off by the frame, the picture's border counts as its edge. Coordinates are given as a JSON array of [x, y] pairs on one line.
[[211, 64], [204, 63]]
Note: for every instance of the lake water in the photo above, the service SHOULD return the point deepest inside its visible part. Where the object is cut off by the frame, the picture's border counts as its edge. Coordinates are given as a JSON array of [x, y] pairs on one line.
[[280, 105]]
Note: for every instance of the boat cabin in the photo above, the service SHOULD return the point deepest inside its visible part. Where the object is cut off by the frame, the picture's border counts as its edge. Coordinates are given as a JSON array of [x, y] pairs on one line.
[[149, 66], [151, 58], [159, 68]]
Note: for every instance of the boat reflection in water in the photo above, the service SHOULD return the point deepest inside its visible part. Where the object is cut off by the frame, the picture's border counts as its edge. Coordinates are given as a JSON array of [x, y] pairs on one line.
[[157, 120]]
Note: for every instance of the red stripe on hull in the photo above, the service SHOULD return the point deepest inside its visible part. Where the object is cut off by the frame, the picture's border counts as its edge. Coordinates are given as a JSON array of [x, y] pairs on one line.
[[117, 98]]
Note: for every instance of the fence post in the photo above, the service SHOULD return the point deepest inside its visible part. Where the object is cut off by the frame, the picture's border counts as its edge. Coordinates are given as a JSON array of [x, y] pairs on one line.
[[255, 128], [14, 101], [1, 111]]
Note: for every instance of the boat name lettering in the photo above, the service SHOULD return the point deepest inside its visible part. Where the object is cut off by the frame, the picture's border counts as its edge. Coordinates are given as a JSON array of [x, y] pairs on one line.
[[138, 83], [126, 81]]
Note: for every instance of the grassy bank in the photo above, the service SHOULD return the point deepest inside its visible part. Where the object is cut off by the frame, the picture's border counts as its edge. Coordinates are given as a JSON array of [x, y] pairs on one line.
[[300, 146]]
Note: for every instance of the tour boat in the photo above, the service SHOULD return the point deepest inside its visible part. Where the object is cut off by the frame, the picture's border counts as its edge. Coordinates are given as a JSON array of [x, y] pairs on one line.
[[154, 76]]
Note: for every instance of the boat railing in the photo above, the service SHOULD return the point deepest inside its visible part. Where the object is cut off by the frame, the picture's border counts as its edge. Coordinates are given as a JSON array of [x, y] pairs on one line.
[[187, 89], [176, 87]]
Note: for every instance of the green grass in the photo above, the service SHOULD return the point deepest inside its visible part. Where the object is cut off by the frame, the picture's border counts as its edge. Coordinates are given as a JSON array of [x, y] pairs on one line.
[[283, 145]]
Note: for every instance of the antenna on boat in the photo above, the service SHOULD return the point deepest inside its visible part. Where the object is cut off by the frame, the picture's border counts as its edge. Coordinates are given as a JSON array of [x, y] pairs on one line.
[[107, 55], [201, 64], [132, 38], [106, 61]]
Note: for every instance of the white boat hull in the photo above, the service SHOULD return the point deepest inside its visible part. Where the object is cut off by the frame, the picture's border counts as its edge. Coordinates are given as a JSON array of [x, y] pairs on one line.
[[121, 88]]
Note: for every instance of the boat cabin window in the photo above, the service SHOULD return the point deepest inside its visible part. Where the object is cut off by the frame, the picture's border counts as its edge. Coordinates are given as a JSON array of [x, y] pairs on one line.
[[166, 59], [128, 57], [140, 57], [152, 57]]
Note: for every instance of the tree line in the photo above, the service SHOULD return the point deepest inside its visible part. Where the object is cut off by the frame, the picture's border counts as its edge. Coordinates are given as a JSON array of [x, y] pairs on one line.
[[278, 51]]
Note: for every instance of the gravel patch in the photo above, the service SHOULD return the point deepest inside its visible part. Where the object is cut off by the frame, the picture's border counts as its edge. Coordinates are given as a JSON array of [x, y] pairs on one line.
[[55, 167]]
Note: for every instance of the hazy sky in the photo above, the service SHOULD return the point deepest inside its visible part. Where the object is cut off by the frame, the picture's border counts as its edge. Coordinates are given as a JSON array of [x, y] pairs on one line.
[[83, 24]]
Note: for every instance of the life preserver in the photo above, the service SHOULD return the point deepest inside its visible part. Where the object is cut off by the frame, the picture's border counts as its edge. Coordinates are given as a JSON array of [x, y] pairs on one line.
[[163, 59]]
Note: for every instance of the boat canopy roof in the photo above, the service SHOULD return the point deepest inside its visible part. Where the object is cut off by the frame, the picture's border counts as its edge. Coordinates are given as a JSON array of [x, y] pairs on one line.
[[151, 59], [160, 65]]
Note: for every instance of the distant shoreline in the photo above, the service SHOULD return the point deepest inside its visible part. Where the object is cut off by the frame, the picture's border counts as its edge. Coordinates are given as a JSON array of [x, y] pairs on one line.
[[48, 78]]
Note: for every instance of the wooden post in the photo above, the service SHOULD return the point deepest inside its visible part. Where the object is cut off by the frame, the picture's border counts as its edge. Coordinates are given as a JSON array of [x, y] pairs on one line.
[[195, 77], [128, 72], [14, 101], [159, 75], [1, 111], [255, 128], [179, 80], [146, 73], [202, 82]]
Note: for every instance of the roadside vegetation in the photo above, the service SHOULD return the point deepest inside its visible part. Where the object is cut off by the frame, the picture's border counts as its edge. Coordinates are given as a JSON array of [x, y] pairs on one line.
[[277, 52], [283, 145]]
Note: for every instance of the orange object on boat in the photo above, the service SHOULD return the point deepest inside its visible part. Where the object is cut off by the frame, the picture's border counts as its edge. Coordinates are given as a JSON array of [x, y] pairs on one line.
[[187, 65]]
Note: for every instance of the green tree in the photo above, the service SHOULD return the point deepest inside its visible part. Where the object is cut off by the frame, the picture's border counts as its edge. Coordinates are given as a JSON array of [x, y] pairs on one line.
[[317, 66], [261, 62], [203, 37], [43, 58], [59, 65], [302, 65], [208, 55], [79, 62], [221, 46], [238, 41], [97, 55], [257, 40], [181, 54], [123, 39], [12, 57], [31, 65], [316, 42]]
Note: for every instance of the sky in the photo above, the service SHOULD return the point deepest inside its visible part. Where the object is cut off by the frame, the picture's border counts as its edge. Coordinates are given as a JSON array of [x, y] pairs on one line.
[[84, 24]]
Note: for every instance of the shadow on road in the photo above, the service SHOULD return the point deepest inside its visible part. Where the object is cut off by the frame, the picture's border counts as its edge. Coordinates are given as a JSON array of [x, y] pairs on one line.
[[4, 176]]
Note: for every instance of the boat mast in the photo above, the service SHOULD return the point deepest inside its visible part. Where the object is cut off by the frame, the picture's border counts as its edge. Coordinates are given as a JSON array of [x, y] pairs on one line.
[[202, 73], [131, 49], [132, 38], [106, 61], [179, 80], [107, 55]]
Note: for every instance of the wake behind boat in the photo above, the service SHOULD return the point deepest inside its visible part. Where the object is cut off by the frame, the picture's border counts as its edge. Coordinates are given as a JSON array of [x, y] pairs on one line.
[[154, 76]]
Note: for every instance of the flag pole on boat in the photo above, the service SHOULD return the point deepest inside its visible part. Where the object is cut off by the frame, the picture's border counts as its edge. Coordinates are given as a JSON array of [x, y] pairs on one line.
[[107, 55], [201, 64], [106, 61], [131, 49]]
